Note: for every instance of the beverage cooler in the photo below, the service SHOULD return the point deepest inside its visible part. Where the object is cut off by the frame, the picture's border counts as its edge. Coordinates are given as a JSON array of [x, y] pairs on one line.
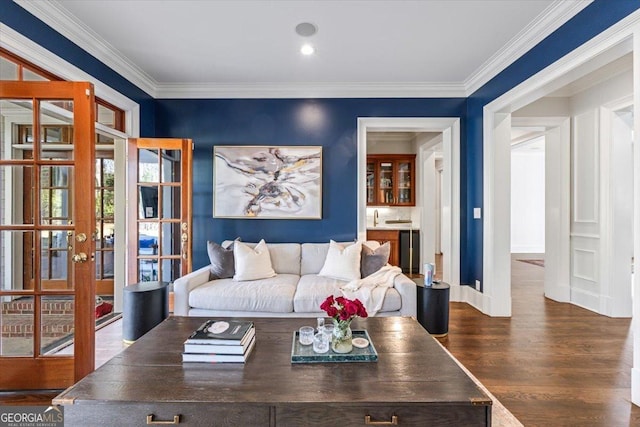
[[410, 251]]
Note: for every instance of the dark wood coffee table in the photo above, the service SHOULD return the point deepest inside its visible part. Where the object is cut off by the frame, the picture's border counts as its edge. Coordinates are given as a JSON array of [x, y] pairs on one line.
[[413, 383]]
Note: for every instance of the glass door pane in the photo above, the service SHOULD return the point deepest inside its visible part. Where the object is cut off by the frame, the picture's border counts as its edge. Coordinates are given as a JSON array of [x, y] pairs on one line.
[[385, 183], [105, 218], [371, 177], [404, 183], [16, 278], [17, 116]]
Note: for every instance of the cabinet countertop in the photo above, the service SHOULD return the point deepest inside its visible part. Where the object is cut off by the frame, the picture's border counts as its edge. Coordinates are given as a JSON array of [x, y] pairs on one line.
[[393, 227]]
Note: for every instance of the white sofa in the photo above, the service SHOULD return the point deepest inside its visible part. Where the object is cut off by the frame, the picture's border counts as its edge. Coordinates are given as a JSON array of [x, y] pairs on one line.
[[296, 291]]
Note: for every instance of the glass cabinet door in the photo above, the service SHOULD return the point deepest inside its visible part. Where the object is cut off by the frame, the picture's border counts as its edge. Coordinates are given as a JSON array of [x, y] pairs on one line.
[[371, 181], [391, 180], [404, 183], [385, 183]]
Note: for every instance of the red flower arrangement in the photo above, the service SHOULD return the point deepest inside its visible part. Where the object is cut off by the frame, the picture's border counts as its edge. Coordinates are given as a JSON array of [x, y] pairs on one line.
[[343, 309]]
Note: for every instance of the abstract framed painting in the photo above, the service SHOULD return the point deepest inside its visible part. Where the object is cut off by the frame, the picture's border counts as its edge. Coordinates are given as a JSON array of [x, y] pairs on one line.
[[267, 182]]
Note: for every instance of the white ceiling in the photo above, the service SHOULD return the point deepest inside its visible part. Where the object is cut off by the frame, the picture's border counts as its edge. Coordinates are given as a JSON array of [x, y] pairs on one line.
[[242, 48]]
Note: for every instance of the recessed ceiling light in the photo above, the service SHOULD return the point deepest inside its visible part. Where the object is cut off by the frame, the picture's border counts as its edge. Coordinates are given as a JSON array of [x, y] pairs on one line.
[[306, 29], [307, 49]]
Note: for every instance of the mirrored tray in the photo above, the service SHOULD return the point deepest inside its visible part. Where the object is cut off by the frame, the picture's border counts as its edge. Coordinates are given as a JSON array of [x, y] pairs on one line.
[[305, 354]]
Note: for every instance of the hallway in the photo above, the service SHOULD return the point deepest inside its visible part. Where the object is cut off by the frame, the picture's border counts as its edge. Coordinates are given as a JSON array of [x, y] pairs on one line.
[[550, 364]]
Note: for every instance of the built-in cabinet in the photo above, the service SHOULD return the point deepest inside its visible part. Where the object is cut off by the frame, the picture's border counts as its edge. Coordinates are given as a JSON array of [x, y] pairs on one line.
[[404, 250], [391, 180], [391, 236]]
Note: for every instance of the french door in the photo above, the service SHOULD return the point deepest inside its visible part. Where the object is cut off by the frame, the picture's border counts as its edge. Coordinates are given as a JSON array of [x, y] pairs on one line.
[[47, 221], [159, 177]]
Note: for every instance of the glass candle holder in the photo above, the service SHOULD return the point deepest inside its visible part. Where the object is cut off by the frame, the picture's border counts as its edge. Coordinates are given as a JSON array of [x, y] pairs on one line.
[[306, 335], [321, 343]]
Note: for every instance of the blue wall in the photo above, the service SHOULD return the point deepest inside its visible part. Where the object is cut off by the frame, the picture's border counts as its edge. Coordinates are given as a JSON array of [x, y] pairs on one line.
[[331, 123], [275, 122]]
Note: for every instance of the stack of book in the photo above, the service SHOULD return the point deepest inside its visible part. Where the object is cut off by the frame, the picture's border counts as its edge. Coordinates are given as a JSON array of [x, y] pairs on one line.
[[219, 341]]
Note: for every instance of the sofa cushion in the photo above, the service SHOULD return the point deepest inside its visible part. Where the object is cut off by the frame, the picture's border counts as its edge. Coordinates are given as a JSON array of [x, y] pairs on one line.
[[252, 263], [372, 259], [343, 261], [221, 259], [313, 290], [285, 257], [312, 257], [273, 295]]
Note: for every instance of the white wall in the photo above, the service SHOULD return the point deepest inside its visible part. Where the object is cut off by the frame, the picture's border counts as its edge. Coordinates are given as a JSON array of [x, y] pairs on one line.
[[376, 146], [615, 88], [546, 107], [429, 188], [527, 201]]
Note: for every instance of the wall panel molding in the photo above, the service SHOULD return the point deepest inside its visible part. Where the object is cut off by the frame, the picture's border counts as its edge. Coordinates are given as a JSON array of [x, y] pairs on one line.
[[586, 168], [584, 264]]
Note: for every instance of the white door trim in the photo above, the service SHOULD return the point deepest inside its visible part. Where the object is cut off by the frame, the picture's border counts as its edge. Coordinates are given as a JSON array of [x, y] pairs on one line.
[[615, 298], [557, 274], [450, 128], [426, 173]]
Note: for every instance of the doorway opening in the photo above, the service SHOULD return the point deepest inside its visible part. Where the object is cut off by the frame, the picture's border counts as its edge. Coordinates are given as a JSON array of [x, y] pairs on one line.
[[528, 195], [449, 128]]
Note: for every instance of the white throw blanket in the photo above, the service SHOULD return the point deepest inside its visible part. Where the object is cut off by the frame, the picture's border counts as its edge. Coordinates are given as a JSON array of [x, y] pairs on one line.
[[372, 289]]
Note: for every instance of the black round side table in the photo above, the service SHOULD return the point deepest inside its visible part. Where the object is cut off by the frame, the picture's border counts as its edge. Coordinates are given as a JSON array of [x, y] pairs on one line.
[[433, 307], [145, 304]]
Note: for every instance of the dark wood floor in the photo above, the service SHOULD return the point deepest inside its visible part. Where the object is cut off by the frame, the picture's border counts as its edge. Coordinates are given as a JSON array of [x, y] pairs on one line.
[[550, 364]]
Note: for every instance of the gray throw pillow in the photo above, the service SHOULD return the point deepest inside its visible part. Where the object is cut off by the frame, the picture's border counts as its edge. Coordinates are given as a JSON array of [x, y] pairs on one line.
[[373, 260], [221, 261]]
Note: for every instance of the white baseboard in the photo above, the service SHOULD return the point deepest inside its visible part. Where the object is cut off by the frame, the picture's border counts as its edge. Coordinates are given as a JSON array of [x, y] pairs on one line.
[[468, 295], [635, 386]]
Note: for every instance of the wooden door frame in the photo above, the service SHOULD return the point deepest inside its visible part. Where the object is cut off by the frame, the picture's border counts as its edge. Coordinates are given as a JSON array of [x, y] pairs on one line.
[[62, 371]]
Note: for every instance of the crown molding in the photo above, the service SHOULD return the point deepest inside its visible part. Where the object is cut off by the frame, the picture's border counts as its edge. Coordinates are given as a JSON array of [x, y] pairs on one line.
[[15, 42], [552, 18], [311, 90], [54, 15]]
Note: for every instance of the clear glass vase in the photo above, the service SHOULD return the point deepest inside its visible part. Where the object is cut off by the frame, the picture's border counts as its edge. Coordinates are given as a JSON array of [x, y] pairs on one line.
[[341, 341]]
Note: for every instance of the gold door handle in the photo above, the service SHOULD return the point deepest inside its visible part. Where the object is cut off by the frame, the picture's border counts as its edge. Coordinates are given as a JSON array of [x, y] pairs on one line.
[[150, 420], [184, 238], [393, 422], [79, 257]]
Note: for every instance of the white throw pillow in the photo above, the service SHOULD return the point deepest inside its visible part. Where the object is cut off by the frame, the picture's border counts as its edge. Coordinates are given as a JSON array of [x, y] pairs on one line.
[[342, 262], [252, 264]]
